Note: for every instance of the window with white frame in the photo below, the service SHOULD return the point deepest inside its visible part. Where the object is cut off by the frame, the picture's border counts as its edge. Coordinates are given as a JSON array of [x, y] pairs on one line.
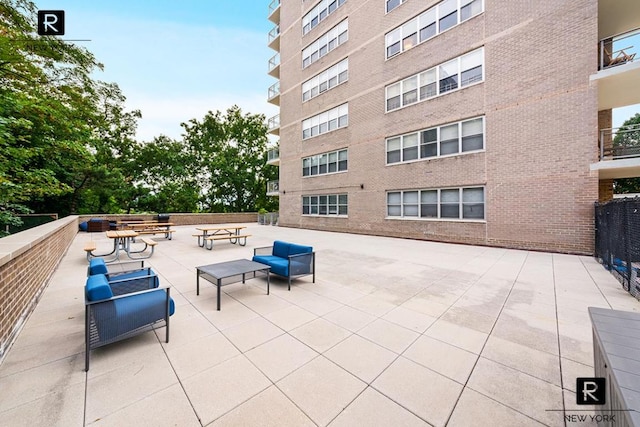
[[328, 79], [319, 13], [392, 4], [454, 138], [325, 43], [328, 121], [446, 203], [320, 164], [429, 23], [457, 73], [328, 204]]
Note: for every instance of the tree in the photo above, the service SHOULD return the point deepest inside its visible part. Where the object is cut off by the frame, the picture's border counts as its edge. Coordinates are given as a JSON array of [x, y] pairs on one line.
[[44, 101], [627, 139], [230, 153]]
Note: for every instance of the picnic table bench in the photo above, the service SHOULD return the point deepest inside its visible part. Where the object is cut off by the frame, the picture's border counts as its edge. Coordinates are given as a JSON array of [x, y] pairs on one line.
[[152, 228], [229, 232]]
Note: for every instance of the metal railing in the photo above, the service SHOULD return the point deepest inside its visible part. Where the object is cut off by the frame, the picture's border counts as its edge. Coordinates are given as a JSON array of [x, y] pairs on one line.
[[274, 33], [273, 122], [273, 154], [273, 6], [619, 49], [274, 90], [620, 143], [274, 61], [273, 187]]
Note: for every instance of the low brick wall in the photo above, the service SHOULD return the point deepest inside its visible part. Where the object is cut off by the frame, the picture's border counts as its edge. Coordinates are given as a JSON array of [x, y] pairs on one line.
[[27, 261], [185, 218]]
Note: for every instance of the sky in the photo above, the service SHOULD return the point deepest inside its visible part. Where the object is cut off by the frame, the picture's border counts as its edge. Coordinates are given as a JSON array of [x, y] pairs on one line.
[[176, 60]]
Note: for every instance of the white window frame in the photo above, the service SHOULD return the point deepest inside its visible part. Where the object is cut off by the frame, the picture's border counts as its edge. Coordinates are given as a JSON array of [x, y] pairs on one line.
[[468, 60], [340, 156], [338, 209], [329, 41], [407, 209], [403, 148], [423, 21], [386, 5], [313, 87], [339, 114], [316, 12]]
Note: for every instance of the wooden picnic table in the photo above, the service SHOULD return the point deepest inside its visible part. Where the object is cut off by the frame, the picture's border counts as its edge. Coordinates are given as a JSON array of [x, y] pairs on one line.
[[227, 232], [122, 240], [152, 227]]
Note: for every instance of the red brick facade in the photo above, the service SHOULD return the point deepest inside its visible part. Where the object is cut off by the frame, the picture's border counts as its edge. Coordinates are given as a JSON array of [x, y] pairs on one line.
[[540, 112]]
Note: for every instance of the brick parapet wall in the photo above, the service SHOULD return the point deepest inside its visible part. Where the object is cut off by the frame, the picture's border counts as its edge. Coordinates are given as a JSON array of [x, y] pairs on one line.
[[27, 261], [185, 218]]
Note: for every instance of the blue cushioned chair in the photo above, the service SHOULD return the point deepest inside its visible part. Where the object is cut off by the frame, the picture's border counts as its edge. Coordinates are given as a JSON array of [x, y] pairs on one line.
[[287, 259], [112, 313], [120, 275]]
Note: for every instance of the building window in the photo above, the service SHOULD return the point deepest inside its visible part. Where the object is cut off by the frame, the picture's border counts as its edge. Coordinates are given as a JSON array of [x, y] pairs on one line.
[[331, 204], [319, 13], [328, 121], [446, 203], [457, 73], [392, 4], [328, 79], [325, 43], [455, 138], [429, 23], [335, 161]]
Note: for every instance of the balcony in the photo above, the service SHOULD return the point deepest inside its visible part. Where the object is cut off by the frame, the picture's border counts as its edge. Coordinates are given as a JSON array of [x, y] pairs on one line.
[[273, 156], [274, 66], [273, 188], [274, 94], [619, 153], [274, 11], [618, 71], [274, 38], [274, 125]]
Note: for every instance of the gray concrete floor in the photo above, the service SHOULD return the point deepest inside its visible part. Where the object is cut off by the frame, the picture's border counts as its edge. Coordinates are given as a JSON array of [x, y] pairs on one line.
[[393, 332]]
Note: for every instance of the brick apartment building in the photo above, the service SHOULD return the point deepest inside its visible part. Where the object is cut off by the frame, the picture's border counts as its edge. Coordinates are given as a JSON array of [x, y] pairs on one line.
[[471, 121]]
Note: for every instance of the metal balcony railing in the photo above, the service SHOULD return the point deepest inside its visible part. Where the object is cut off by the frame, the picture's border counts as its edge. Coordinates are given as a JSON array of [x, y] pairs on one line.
[[273, 6], [273, 187], [274, 61], [274, 90], [274, 33], [619, 49], [273, 122], [620, 143], [273, 154]]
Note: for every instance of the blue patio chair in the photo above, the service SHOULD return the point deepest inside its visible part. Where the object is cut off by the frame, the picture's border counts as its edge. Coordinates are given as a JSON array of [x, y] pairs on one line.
[[113, 314], [121, 276], [288, 260]]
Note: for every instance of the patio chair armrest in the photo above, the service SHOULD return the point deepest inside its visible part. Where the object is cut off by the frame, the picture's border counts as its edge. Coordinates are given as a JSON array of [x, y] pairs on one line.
[[117, 297], [264, 250]]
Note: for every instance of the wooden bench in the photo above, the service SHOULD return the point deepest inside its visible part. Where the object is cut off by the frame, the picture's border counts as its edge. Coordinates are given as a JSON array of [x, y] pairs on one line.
[[89, 247], [167, 232], [229, 237]]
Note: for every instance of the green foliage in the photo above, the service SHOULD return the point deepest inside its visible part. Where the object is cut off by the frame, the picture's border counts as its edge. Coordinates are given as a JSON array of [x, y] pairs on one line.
[[67, 143], [628, 139]]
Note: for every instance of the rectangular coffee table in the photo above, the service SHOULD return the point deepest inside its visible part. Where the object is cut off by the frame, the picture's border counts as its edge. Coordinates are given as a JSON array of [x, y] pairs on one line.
[[233, 271]]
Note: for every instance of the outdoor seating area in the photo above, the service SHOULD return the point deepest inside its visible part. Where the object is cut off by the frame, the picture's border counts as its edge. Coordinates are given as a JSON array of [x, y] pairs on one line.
[[392, 332]]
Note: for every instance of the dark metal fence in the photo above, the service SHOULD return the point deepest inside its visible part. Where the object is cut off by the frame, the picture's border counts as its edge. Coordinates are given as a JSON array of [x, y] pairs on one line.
[[618, 240]]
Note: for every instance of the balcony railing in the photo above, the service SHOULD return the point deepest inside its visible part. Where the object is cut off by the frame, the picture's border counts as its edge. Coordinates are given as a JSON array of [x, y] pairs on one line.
[[274, 62], [273, 122], [274, 90], [273, 6], [274, 34], [620, 143], [619, 50], [273, 188], [273, 154]]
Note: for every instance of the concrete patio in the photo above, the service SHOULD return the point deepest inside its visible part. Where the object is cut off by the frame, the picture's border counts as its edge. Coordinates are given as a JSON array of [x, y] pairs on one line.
[[393, 332]]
